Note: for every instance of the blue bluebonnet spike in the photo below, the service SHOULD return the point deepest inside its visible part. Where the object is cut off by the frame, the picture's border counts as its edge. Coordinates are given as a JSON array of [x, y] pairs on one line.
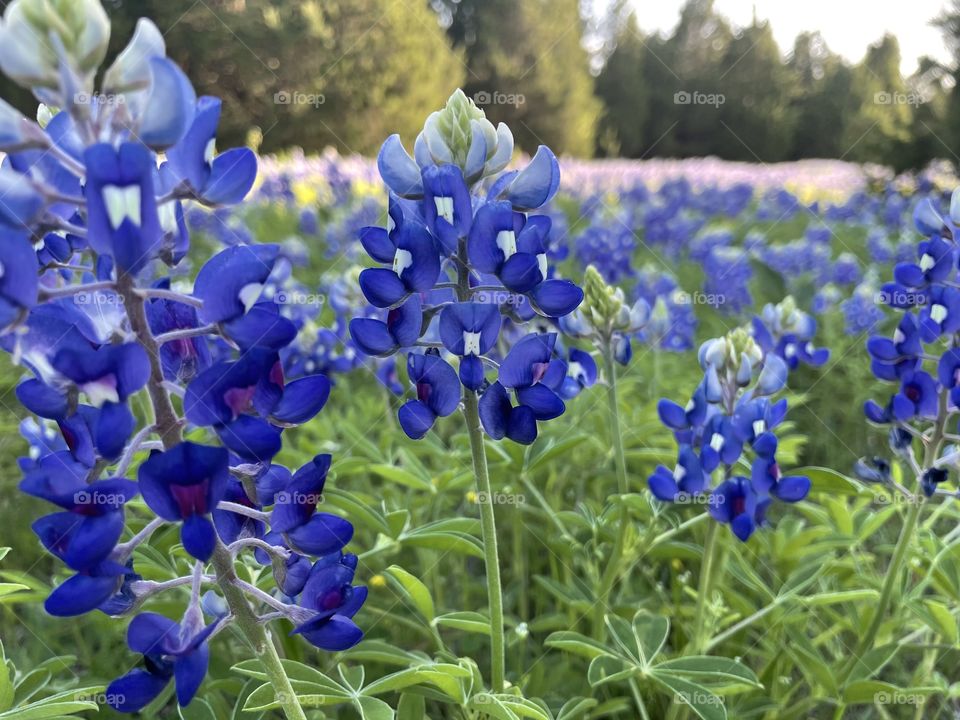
[[918, 397], [231, 282], [686, 480], [446, 204], [416, 267], [736, 503], [400, 330]]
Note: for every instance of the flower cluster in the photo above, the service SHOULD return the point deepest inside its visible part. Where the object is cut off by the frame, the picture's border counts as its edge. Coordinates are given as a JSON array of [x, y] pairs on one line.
[[94, 308], [730, 412], [922, 357], [462, 252], [788, 332]]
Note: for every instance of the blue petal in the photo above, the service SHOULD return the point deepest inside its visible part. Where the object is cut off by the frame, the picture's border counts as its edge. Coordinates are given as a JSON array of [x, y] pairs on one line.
[[301, 400], [792, 488], [41, 399], [372, 337], [251, 438], [398, 169], [115, 424], [416, 419], [189, 671], [337, 634], [222, 278], [544, 402], [322, 534], [263, 326], [198, 536], [135, 690], [382, 287], [537, 182], [232, 175], [169, 108], [519, 367], [522, 425], [495, 411], [556, 298]]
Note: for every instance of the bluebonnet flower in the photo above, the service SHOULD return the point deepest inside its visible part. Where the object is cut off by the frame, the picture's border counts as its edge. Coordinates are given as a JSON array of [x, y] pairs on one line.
[[90, 226], [786, 330], [460, 261], [729, 413]]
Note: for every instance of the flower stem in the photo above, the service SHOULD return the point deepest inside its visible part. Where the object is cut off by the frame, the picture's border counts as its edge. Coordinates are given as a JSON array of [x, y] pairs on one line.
[[609, 575], [256, 634], [488, 529], [710, 550]]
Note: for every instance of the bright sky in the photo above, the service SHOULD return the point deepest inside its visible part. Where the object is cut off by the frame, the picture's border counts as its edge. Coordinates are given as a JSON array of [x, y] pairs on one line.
[[847, 25]]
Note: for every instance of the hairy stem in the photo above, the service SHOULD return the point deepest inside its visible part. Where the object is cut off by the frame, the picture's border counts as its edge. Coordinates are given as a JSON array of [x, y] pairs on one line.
[[256, 634], [623, 519], [489, 532]]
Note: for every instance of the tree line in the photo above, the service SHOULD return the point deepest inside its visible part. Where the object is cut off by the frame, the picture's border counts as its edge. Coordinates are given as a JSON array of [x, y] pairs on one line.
[[346, 73]]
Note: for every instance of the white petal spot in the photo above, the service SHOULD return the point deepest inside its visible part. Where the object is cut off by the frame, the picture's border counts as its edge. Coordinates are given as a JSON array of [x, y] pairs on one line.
[[507, 242], [101, 390], [122, 202], [575, 370], [542, 262], [249, 294], [471, 343], [402, 260], [759, 427], [679, 473], [210, 151], [168, 217], [716, 442], [690, 405], [444, 208], [898, 336], [790, 350], [938, 313], [927, 262]]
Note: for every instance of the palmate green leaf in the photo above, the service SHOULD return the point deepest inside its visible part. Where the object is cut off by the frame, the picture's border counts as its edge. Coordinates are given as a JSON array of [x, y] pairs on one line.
[[445, 676], [711, 670], [507, 707], [609, 669], [466, 621], [264, 698], [576, 708], [703, 702], [300, 675], [829, 482], [411, 707], [621, 632], [650, 632], [371, 708], [352, 677], [413, 589], [574, 642]]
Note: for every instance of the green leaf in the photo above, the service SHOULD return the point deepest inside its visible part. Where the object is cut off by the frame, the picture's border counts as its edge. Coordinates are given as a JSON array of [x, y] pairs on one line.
[[400, 476], [6, 682], [429, 673], [198, 709], [46, 710], [650, 632], [507, 707], [864, 692], [621, 632], [573, 642], [373, 709], [411, 707], [607, 669], [576, 708], [711, 669], [413, 589], [467, 621], [300, 675], [10, 588], [702, 701], [829, 482]]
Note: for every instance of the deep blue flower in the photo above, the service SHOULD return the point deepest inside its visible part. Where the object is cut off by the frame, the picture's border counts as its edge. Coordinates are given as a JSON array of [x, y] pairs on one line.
[[330, 594], [400, 330], [438, 394], [184, 484], [447, 209], [18, 276], [720, 443], [170, 651], [918, 397], [416, 267], [937, 259], [469, 330], [941, 314], [735, 503], [121, 207], [212, 179], [687, 479], [767, 480]]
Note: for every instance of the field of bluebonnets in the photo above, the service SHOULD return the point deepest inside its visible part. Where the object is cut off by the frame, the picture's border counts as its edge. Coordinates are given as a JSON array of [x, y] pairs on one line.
[[457, 432]]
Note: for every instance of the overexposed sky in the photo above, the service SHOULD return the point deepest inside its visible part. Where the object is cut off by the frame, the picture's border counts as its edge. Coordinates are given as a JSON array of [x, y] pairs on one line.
[[847, 25]]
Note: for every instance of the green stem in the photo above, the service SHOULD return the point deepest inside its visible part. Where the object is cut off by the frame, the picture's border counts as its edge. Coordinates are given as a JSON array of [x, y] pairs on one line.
[[256, 635], [895, 569], [609, 575], [710, 549], [488, 529]]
